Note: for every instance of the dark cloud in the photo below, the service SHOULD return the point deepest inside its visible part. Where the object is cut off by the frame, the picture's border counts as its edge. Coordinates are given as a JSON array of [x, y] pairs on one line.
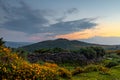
[[23, 18], [72, 26]]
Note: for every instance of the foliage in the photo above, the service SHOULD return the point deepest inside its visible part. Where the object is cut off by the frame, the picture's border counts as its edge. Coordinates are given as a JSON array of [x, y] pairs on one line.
[[77, 70], [118, 52], [113, 55], [111, 64], [91, 52], [43, 50], [88, 52], [50, 65], [82, 56], [64, 73], [51, 50], [91, 68], [112, 74], [14, 67], [111, 60], [1, 42]]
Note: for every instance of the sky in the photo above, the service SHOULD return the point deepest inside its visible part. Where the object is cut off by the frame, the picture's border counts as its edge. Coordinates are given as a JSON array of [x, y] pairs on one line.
[[93, 21]]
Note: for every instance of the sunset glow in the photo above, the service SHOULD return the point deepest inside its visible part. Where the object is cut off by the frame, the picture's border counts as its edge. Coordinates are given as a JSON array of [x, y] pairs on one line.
[[103, 30], [41, 20]]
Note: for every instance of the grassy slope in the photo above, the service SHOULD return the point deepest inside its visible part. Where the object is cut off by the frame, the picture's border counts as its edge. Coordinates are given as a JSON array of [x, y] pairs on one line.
[[114, 75]]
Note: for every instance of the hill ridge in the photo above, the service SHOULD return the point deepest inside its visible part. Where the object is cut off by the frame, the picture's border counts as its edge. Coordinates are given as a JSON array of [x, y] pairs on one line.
[[60, 42]]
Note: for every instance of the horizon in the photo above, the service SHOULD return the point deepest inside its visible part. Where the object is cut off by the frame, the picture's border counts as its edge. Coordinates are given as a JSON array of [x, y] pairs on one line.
[[83, 20], [65, 39]]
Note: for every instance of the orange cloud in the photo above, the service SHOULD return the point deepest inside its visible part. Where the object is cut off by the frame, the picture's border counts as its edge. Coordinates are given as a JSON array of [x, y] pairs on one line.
[[78, 35]]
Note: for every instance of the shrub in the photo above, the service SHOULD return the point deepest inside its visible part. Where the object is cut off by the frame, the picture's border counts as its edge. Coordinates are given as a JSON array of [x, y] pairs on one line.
[[118, 52], [64, 73], [50, 65], [103, 69], [100, 68], [113, 56], [90, 68], [111, 64], [13, 67], [1, 42], [77, 70], [91, 52]]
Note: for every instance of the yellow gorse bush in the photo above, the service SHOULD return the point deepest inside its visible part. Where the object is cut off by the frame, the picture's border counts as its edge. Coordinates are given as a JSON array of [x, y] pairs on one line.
[[13, 67], [4, 49], [51, 65], [64, 73]]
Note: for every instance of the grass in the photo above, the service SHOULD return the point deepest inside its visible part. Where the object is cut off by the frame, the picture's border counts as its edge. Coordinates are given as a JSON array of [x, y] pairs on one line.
[[114, 75], [91, 76]]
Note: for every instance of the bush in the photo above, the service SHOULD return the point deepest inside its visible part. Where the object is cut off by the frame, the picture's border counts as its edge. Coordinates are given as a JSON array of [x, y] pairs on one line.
[[13, 67], [77, 70], [103, 69], [64, 73], [91, 52], [113, 56], [118, 52], [51, 65], [111, 64], [91, 68], [1, 42], [100, 68]]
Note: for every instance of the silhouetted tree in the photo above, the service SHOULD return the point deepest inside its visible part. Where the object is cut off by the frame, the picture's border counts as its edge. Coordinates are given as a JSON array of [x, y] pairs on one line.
[[1, 42]]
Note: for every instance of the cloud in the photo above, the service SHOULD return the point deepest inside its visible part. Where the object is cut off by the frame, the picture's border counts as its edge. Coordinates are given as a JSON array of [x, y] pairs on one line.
[[67, 13], [72, 10], [103, 40], [72, 26], [85, 34], [23, 18]]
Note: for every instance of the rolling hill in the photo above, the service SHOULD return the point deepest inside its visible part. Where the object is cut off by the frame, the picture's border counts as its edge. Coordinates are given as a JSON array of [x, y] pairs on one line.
[[65, 44], [16, 44]]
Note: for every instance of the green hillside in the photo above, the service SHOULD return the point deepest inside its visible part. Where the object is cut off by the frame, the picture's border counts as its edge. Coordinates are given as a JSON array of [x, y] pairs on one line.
[[61, 43], [65, 44]]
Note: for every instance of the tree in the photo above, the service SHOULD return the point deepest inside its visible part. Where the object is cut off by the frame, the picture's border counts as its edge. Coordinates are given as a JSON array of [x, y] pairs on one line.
[[1, 42], [91, 52], [88, 52], [57, 50]]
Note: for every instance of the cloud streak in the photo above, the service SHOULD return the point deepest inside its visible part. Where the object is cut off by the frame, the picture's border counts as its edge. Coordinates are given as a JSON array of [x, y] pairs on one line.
[[72, 26], [72, 10], [67, 13]]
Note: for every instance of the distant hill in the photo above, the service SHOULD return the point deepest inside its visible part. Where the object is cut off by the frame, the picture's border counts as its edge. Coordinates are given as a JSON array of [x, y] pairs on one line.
[[65, 44], [16, 44]]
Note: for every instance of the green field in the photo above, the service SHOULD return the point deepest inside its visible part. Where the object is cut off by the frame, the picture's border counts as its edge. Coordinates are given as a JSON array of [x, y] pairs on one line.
[[114, 74]]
